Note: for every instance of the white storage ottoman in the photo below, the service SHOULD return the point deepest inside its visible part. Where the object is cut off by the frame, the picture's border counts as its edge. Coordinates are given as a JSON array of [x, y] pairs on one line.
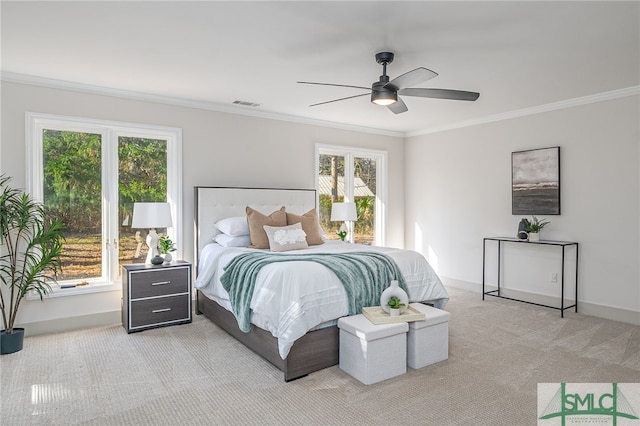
[[372, 353], [428, 340]]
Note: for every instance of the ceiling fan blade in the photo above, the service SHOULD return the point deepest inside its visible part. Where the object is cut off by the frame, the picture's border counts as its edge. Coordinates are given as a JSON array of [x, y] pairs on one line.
[[457, 95], [341, 99], [398, 107], [336, 85], [411, 78]]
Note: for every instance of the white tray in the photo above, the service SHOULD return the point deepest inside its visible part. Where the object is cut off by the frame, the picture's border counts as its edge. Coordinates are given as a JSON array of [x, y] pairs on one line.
[[377, 315]]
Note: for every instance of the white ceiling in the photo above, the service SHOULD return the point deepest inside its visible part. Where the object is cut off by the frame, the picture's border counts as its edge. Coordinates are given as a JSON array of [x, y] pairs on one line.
[[518, 55]]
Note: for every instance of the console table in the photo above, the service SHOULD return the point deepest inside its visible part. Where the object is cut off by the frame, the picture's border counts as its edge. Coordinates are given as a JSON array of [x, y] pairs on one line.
[[562, 244]]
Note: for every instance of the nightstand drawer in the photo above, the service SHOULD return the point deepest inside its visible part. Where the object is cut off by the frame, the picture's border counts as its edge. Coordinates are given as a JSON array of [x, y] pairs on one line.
[[152, 283], [160, 310]]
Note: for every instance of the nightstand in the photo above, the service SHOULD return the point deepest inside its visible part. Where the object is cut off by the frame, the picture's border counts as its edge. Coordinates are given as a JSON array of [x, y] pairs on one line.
[[155, 295]]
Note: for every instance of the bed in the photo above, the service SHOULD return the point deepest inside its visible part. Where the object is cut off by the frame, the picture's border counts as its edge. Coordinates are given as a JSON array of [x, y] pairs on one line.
[[292, 326]]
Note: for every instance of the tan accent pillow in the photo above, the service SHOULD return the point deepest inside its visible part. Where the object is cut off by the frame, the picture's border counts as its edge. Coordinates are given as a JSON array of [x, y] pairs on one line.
[[257, 220], [310, 226]]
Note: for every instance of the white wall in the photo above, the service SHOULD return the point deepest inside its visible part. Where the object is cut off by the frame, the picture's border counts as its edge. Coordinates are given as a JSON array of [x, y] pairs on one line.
[[219, 149], [458, 191], [457, 186]]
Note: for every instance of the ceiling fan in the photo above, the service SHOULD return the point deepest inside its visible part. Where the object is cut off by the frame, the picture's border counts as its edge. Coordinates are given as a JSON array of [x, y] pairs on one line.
[[385, 92]]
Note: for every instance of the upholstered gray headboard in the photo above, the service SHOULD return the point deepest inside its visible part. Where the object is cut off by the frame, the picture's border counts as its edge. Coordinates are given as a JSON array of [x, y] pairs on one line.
[[215, 203]]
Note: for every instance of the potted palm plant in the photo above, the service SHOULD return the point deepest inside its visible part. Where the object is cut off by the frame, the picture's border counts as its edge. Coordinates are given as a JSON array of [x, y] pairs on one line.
[[30, 256]]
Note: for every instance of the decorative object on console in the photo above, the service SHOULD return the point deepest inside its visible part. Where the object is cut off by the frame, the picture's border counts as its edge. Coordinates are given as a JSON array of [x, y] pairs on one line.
[[534, 226], [392, 291], [535, 181], [522, 230], [152, 216], [346, 213]]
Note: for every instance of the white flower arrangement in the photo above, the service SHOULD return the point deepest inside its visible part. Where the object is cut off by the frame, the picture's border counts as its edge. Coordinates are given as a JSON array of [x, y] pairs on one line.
[[290, 236]]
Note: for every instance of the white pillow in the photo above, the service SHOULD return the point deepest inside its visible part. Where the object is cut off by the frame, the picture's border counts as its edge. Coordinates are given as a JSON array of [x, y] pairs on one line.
[[233, 226], [228, 241], [285, 238]]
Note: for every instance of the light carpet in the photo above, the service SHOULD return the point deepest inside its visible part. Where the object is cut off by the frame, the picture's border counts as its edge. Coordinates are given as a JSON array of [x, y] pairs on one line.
[[499, 351]]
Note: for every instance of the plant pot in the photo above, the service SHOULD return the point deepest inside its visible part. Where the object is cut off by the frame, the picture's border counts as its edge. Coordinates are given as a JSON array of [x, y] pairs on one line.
[[534, 236], [394, 312], [10, 343], [167, 257]]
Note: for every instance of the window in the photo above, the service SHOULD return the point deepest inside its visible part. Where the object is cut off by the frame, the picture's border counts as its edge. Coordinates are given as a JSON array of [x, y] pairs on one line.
[[353, 175], [88, 173]]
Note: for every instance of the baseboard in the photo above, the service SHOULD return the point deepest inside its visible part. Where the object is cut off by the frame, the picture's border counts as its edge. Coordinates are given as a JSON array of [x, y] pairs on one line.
[[114, 317], [585, 308], [72, 323]]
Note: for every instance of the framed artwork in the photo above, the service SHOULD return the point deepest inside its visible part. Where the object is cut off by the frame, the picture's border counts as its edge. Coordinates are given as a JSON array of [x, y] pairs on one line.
[[535, 182]]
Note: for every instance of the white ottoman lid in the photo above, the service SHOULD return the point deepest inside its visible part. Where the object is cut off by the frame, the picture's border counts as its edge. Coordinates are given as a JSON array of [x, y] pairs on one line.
[[433, 316], [361, 327]]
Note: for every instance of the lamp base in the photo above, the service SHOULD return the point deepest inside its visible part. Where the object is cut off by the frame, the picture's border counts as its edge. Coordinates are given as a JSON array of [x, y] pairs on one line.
[[346, 227], [152, 243]]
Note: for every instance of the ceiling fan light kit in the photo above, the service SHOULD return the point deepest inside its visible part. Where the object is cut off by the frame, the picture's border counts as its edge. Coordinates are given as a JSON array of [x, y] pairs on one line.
[[385, 92]]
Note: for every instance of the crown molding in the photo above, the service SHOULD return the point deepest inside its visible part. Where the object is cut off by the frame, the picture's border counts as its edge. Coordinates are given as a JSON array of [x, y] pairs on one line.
[[32, 80], [569, 103], [147, 97]]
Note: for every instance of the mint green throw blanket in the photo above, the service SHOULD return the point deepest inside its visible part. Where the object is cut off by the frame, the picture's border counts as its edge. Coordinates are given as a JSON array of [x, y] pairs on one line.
[[365, 275]]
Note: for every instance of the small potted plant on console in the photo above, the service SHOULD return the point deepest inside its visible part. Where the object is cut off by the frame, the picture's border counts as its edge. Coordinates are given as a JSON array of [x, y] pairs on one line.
[[534, 226]]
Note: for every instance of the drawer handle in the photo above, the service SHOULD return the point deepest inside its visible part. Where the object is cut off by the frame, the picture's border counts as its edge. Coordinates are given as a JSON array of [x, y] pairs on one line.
[[157, 311], [161, 283]]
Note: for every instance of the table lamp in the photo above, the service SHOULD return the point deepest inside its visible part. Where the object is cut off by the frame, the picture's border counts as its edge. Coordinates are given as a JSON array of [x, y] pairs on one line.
[[152, 216], [345, 212]]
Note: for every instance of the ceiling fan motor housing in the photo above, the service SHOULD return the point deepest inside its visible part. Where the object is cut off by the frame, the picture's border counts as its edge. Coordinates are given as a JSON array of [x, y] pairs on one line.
[[384, 57], [382, 94]]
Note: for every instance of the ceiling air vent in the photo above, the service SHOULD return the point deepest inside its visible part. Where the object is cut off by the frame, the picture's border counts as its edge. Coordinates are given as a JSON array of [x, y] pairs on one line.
[[245, 103]]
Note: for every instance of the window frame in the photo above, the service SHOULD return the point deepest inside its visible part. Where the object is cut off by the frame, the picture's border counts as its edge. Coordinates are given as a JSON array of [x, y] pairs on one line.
[[110, 131], [349, 154]]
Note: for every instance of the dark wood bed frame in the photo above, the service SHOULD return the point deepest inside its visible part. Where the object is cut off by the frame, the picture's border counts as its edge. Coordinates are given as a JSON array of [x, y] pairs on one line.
[[314, 351]]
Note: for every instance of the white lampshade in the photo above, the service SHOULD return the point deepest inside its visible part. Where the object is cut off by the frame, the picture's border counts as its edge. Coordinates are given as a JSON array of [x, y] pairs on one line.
[[343, 212], [151, 215]]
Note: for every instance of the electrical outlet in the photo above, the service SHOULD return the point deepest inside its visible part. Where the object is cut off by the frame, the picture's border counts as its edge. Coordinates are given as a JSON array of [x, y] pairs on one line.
[[553, 277]]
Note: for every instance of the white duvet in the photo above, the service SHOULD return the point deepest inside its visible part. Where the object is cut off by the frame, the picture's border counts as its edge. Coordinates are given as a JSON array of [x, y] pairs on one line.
[[291, 298]]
